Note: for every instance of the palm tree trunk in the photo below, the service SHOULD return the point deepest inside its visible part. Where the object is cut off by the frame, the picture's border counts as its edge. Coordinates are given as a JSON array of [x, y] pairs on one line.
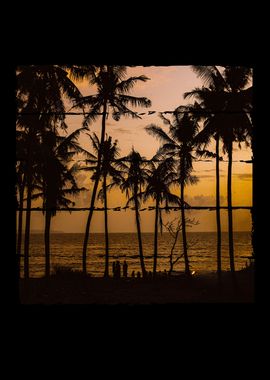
[[253, 189], [106, 273], [187, 269], [48, 217], [218, 210], [156, 239], [94, 193], [86, 236], [20, 222], [139, 236], [230, 217], [27, 231]]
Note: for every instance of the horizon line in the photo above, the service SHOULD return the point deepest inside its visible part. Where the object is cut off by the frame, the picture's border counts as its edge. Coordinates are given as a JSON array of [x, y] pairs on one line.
[[129, 232]]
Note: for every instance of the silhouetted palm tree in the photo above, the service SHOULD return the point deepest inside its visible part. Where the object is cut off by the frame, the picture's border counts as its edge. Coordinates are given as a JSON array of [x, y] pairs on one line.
[[227, 100], [112, 92], [160, 177], [209, 99], [26, 145], [57, 177], [135, 179], [240, 126], [40, 89], [20, 186], [179, 144], [108, 168], [22, 142]]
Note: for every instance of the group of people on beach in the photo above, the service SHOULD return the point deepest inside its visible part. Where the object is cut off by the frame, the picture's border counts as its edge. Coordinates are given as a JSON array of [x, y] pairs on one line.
[[116, 269]]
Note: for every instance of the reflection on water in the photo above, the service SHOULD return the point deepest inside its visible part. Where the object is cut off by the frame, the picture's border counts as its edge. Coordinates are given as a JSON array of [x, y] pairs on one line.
[[66, 250]]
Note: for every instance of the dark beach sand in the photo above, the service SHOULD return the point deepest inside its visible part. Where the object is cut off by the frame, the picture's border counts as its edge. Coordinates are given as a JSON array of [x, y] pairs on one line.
[[74, 288]]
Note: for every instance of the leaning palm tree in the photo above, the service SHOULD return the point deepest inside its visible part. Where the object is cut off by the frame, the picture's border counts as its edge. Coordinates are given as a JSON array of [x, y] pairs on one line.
[[108, 168], [160, 177], [112, 93], [226, 102], [135, 178], [40, 94], [179, 144]]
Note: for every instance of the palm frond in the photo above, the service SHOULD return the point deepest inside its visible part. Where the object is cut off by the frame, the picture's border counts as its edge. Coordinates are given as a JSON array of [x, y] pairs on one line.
[[158, 132], [135, 101], [126, 85], [165, 119]]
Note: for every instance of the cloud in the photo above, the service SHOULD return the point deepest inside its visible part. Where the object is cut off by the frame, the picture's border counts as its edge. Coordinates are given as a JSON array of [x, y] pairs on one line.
[[83, 179], [205, 175], [244, 176], [210, 170], [208, 175], [125, 131], [204, 200]]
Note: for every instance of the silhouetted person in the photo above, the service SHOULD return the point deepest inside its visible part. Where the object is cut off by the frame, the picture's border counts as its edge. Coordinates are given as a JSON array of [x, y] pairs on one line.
[[118, 269], [138, 274], [133, 274], [125, 269], [113, 268]]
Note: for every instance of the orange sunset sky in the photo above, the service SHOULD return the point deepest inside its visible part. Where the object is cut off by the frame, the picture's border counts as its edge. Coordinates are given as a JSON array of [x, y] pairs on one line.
[[165, 89]]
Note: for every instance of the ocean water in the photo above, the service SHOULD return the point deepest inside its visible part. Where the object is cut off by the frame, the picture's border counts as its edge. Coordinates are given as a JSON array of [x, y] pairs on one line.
[[66, 251]]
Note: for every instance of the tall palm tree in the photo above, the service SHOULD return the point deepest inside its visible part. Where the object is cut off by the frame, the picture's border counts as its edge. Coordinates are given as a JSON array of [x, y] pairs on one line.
[[209, 99], [20, 187], [160, 177], [40, 94], [135, 178], [227, 101], [22, 169], [57, 177], [108, 168], [179, 144], [112, 93], [237, 79], [26, 176]]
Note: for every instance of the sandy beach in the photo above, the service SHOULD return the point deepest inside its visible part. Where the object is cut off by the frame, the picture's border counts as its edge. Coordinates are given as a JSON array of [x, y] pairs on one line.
[[73, 288]]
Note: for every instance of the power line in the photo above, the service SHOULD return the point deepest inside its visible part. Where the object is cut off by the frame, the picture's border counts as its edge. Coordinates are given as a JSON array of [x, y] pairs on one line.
[[134, 112], [120, 208]]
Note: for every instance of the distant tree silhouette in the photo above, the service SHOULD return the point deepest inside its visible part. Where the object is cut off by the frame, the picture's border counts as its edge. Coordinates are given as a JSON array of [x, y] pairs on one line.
[[107, 168], [112, 93], [179, 144]]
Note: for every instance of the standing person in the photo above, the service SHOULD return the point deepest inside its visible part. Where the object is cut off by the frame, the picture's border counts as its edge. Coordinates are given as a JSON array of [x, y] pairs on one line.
[[118, 269], [113, 268], [125, 269]]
